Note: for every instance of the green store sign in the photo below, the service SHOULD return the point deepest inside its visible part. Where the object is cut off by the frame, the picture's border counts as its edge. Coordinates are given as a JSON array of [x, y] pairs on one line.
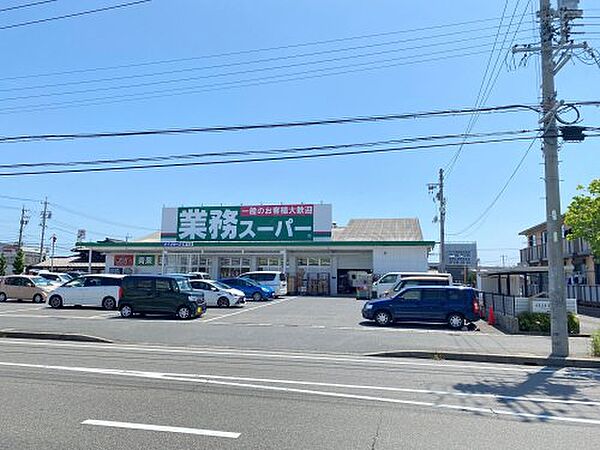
[[145, 260], [265, 223]]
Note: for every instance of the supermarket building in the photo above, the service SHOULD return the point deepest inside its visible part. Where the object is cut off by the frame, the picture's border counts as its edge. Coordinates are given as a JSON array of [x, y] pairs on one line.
[[300, 240]]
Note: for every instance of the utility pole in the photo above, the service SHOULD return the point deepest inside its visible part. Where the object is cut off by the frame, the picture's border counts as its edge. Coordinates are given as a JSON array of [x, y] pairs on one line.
[[562, 51], [439, 197], [45, 215], [53, 240], [22, 222]]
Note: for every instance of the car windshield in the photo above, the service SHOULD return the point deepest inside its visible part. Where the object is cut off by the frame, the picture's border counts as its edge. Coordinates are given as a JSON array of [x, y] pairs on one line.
[[184, 284], [40, 281], [251, 282], [220, 285]]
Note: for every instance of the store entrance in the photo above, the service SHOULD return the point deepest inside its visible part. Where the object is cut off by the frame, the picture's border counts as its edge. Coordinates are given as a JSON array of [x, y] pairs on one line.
[[350, 279]]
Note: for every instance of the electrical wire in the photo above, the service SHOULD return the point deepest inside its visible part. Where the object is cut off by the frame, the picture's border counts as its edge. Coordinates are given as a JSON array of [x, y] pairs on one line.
[[253, 160], [279, 58], [251, 82], [26, 5], [72, 15], [99, 219], [267, 151], [276, 125], [264, 49]]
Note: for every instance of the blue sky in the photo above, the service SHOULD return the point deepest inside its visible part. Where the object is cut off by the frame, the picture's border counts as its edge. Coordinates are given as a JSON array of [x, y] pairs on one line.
[[385, 185]]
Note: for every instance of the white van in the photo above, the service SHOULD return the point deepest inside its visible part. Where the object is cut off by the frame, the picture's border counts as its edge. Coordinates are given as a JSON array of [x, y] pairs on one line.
[[391, 279], [275, 280]]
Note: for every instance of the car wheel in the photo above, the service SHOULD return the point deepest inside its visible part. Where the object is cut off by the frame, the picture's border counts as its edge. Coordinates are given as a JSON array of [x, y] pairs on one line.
[[456, 321], [2, 297], [55, 301], [109, 303], [257, 297], [37, 298], [126, 311], [223, 302], [184, 313], [383, 318]]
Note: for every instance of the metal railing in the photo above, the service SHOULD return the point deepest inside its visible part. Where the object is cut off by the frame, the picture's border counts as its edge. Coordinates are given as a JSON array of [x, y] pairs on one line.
[[587, 294], [503, 304], [570, 248]]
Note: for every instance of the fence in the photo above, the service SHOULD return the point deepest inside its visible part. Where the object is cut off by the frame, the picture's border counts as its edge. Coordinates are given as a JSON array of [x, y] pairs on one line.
[[503, 304], [586, 294]]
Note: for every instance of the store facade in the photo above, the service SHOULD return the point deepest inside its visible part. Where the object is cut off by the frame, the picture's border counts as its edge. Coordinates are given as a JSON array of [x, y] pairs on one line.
[[299, 240]]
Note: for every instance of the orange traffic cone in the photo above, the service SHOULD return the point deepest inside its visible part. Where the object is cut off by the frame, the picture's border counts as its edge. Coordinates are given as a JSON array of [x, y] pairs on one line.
[[491, 318]]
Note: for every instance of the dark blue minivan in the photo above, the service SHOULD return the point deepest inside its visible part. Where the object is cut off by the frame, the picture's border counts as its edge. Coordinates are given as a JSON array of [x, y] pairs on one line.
[[453, 305]]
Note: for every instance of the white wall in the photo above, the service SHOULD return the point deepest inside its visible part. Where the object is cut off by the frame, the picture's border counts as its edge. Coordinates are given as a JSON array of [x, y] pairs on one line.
[[400, 259]]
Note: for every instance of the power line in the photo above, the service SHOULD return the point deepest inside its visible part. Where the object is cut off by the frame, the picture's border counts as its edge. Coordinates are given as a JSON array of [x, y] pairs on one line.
[[100, 219], [481, 218], [253, 160], [72, 15], [26, 5], [276, 125], [264, 49], [251, 82], [242, 63], [266, 151]]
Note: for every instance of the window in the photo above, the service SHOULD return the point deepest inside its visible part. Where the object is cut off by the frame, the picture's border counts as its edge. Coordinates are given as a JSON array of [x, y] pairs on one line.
[[412, 295], [434, 295], [10, 281], [262, 277], [92, 282], [77, 282], [142, 283], [163, 286], [389, 279], [106, 281]]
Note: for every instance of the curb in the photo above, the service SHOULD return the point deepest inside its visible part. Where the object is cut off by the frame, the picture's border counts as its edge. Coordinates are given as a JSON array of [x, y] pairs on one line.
[[528, 360], [52, 336]]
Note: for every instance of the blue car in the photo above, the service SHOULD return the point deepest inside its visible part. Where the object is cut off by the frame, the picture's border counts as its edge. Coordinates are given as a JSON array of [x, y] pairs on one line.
[[250, 288], [444, 304]]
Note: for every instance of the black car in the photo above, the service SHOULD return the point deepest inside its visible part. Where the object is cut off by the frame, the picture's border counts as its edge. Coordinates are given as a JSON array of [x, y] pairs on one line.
[[158, 294], [453, 305]]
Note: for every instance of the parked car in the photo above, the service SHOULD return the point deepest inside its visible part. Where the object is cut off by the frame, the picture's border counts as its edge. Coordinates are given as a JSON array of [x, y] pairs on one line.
[[159, 294], [76, 274], [25, 287], [406, 282], [102, 290], [219, 294], [199, 275], [250, 288], [390, 279], [56, 278], [273, 279], [449, 304]]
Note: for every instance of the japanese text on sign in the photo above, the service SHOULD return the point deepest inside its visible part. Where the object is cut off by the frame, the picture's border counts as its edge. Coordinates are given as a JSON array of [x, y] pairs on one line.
[[247, 223]]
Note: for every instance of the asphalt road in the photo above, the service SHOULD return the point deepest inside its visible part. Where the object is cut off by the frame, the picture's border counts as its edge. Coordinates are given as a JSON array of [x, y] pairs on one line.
[[291, 323], [59, 395]]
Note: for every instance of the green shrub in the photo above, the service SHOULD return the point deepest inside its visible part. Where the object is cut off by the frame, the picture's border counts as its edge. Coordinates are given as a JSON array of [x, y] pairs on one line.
[[540, 322], [596, 343]]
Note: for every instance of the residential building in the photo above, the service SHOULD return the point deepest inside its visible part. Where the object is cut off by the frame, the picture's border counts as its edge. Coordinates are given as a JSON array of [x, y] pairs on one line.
[[32, 255]]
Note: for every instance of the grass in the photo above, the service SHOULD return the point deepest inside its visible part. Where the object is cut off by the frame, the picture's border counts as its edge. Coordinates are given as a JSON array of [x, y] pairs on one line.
[[596, 343]]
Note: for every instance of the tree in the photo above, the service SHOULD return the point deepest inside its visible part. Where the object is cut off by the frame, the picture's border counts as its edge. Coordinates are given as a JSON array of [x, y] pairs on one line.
[[19, 262], [2, 265], [583, 216]]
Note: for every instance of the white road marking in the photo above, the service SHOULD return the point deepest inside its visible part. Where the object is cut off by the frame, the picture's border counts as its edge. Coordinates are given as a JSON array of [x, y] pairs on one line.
[[166, 377], [291, 355], [148, 427], [51, 316], [245, 310]]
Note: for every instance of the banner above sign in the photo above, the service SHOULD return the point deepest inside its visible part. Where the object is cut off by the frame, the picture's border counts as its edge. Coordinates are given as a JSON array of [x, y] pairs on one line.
[[261, 223]]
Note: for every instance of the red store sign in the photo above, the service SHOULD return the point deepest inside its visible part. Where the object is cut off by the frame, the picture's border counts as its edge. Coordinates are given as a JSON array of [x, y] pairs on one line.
[[123, 260]]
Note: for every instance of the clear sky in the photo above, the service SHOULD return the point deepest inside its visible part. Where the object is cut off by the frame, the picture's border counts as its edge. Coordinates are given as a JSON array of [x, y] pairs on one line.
[[384, 185]]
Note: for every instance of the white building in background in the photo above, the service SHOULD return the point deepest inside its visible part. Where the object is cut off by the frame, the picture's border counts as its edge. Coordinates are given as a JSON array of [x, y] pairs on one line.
[[298, 239]]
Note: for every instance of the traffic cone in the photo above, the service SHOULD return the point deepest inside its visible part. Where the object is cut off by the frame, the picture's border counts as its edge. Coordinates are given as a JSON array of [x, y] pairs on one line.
[[491, 318]]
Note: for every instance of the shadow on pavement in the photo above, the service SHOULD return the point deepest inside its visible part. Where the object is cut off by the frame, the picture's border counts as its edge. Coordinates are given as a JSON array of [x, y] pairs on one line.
[[417, 326]]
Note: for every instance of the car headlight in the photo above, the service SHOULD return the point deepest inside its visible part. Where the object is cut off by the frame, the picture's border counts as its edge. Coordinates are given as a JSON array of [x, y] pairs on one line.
[[368, 306]]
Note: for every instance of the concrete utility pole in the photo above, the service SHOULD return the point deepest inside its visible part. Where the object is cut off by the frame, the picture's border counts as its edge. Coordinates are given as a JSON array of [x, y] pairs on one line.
[[53, 240], [44, 216], [439, 197], [22, 222], [549, 50]]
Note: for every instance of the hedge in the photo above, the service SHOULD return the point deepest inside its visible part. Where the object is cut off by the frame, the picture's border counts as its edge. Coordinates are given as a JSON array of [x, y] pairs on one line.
[[540, 322]]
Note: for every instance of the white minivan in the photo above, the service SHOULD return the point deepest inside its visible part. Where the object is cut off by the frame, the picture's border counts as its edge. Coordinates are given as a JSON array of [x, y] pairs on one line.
[[387, 282], [101, 291], [271, 278]]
